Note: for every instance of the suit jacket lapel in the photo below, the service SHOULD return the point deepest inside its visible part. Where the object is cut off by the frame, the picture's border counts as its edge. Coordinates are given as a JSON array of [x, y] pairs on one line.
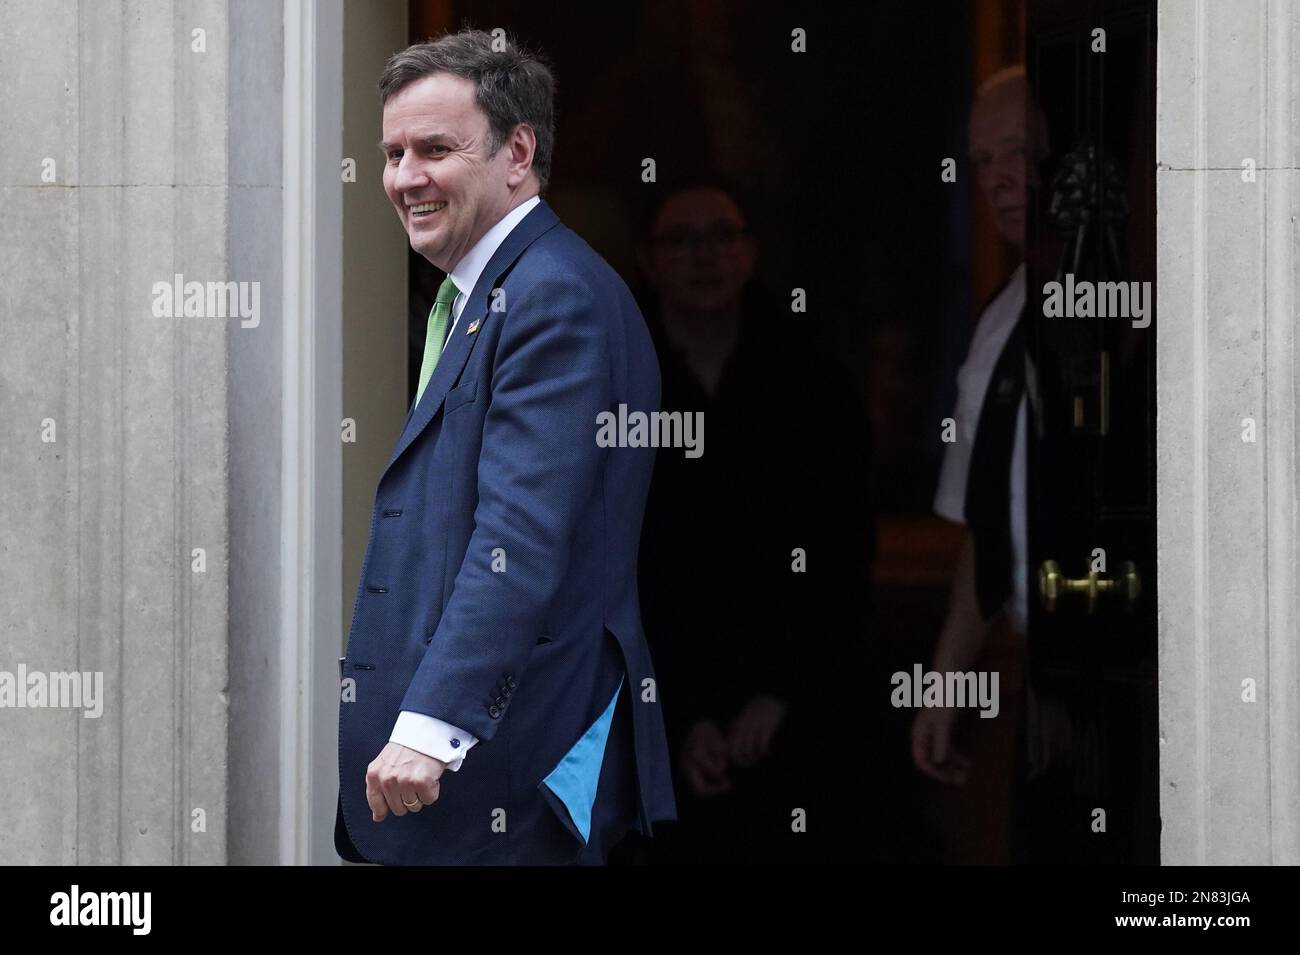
[[459, 345]]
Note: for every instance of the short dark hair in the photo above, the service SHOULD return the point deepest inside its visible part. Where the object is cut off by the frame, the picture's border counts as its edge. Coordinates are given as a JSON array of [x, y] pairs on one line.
[[658, 196], [512, 85]]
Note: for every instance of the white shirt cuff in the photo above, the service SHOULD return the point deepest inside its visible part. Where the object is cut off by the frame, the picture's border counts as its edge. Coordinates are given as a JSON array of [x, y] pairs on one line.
[[432, 737]]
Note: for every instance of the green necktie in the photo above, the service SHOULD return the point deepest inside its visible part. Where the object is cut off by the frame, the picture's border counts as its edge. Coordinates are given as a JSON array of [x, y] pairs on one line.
[[439, 318]]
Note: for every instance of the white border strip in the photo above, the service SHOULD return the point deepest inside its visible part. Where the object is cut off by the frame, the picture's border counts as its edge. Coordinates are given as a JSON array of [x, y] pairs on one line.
[[1280, 395], [311, 458]]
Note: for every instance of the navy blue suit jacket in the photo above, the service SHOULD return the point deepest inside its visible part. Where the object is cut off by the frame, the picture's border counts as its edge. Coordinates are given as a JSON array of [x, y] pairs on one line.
[[499, 586]]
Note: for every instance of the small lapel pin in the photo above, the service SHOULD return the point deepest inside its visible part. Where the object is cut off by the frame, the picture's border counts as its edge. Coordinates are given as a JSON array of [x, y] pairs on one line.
[[473, 327]]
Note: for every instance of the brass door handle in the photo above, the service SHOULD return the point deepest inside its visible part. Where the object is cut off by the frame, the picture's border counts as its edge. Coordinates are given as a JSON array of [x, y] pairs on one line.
[[1052, 585]]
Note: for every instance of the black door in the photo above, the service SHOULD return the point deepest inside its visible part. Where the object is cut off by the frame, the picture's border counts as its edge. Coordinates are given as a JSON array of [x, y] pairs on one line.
[[1091, 468]]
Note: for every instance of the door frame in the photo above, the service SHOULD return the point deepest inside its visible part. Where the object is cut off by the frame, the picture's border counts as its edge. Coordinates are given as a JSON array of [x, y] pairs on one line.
[[311, 451], [1210, 809]]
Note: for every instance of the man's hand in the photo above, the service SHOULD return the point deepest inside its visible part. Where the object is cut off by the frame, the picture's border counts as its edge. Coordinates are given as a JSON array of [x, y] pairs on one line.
[[749, 737], [932, 751], [398, 776], [704, 759]]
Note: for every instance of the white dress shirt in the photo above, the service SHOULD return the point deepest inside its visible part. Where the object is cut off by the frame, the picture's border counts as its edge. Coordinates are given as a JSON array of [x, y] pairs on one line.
[[991, 334], [418, 731]]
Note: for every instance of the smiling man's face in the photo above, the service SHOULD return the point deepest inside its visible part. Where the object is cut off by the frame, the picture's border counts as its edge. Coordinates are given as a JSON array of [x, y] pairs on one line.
[[446, 187]]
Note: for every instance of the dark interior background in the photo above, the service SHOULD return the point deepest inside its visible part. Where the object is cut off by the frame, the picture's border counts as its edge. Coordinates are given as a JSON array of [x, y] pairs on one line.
[[838, 152]]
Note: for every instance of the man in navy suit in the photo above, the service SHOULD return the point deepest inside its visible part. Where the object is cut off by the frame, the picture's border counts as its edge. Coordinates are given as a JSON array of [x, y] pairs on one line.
[[497, 630]]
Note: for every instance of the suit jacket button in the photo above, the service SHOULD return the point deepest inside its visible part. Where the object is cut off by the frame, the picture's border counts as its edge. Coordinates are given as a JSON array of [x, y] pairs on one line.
[[494, 711], [510, 682]]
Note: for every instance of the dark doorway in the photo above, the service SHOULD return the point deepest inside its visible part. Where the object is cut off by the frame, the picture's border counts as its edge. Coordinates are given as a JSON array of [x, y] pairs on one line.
[[1092, 658], [834, 152]]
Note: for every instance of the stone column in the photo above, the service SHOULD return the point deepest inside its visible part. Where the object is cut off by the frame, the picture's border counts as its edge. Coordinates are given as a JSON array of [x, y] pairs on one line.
[[126, 163], [1228, 119]]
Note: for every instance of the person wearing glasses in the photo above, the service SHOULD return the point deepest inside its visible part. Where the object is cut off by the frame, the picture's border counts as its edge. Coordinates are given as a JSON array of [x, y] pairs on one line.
[[754, 554]]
